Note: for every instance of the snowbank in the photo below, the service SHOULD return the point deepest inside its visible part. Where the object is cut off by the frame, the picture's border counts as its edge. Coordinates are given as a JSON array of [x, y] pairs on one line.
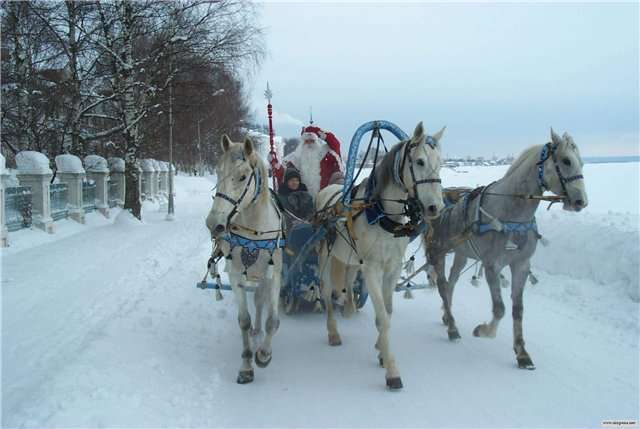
[[163, 166], [116, 165], [96, 164], [602, 248], [31, 162], [69, 164]]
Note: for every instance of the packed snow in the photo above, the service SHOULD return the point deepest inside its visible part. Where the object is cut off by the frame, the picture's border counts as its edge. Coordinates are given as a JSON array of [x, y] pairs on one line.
[[31, 162], [104, 327], [67, 163]]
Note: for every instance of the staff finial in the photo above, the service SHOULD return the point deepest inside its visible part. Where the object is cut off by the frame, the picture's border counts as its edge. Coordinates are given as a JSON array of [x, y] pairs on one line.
[[268, 94]]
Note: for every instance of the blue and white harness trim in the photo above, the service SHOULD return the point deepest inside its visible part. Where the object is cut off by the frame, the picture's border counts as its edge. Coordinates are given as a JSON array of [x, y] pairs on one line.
[[506, 227], [252, 245], [518, 228], [544, 154]]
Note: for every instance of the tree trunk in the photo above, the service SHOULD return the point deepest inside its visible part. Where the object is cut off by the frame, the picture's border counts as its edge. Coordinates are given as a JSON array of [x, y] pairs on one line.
[[132, 187]]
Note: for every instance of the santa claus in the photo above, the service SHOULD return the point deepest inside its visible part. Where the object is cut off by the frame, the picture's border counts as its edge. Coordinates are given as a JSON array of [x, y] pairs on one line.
[[317, 158]]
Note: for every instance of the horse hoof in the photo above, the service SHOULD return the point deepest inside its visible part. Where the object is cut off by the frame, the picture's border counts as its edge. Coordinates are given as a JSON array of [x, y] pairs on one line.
[[454, 335], [245, 377], [262, 361], [525, 362], [335, 340], [394, 383]]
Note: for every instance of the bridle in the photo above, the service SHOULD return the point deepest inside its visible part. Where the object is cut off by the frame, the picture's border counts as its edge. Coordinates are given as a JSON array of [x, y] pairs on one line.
[[256, 177], [550, 150], [413, 202], [412, 206]]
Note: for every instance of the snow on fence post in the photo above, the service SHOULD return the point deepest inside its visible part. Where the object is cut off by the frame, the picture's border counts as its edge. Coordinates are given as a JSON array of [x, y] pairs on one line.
[[116, 165], [148, 174], [4, 233], [98, 171], [34, 172], [70, 171]]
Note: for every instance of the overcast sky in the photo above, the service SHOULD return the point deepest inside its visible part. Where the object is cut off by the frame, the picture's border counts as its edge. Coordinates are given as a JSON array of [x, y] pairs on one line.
[[496, 74]]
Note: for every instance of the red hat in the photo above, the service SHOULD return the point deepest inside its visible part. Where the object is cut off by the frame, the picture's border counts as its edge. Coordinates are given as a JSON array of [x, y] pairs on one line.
[[312, 133]]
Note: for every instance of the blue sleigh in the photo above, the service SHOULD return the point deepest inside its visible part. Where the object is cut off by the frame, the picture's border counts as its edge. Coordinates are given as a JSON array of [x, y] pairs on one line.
[[300, 288]]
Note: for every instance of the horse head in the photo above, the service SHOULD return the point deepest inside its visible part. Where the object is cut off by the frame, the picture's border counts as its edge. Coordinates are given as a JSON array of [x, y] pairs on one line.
[[562, 172], [421, 171], [239, 178]]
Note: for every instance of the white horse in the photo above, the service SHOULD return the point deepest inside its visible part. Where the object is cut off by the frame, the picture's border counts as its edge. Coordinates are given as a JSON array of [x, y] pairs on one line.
[[247, 226], [499, 222], [408, 176]]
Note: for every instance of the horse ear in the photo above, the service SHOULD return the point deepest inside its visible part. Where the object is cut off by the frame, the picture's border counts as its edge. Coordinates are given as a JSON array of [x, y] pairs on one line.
[[555, 139], [437, 136], [248, 147], [225, 142], [418, 133], [568, 138]]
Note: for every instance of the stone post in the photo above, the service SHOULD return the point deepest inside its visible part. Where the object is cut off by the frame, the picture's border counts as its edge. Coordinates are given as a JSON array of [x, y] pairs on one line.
[[155, 189], [98, 171], [164, 178], [148, 173], [116, 165], [71, 173], [34, 172], [4, 233]]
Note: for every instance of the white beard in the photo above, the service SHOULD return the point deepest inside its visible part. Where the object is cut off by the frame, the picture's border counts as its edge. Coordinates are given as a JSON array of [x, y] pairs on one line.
[[307, 159]]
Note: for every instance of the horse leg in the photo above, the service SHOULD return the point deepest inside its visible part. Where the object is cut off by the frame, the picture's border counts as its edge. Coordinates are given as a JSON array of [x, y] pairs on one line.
[[332, 274], [245, 374], [519, 273], [263, 353], [349, 303], [373, 278], [459, 262], [444, 288], [258, 301], [488, 330], [388, 287]]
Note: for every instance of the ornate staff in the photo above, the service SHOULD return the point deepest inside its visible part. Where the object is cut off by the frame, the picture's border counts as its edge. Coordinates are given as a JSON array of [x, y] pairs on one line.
[[272, 150]]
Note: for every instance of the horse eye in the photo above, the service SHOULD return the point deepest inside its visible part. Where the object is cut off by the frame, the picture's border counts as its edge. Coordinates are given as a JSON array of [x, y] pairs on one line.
[[242, 178], [420, 162], [566, 162]]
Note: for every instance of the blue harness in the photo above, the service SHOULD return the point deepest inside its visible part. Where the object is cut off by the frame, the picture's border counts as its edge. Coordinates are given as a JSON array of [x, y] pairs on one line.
[[479, 228], [252, 245], [519, 228], [375, 213]]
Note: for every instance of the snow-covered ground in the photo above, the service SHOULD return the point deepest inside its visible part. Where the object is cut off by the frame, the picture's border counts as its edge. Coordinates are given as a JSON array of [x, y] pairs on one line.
[[102, 326]]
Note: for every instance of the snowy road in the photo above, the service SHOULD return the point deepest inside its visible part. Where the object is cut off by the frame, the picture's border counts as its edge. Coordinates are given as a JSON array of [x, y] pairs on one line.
[[105, 327]]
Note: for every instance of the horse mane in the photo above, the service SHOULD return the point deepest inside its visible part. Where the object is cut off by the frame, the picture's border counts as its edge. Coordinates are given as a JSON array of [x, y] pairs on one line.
[[264, 175], [384, 169], [524, 156]]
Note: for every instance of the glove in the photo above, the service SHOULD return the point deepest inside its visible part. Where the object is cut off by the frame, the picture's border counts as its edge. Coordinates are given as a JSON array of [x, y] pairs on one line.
[[273, 160]]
